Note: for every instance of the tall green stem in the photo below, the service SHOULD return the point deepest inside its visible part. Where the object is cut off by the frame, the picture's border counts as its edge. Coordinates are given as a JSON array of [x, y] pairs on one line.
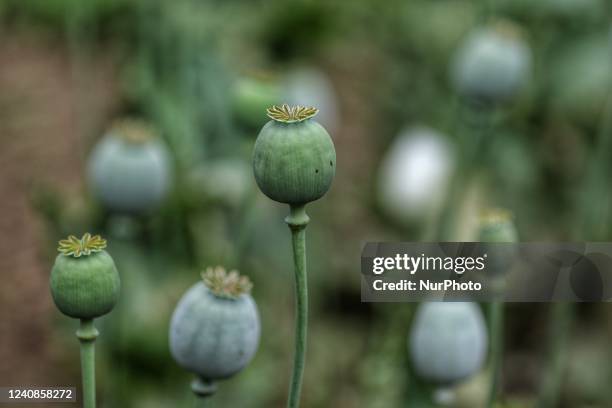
[[298, 220], [593, 207], [496, 324], [202, 402], [203, 389], [472, 125], [87, 334], [562, 317]]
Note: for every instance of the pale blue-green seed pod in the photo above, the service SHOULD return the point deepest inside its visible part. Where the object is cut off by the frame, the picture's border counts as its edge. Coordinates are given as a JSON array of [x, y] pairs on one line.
[[215, 328], [492, 65], [129, 169], [448, 341]]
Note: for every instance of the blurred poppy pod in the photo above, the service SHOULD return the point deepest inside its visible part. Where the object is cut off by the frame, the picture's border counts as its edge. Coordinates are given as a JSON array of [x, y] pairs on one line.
[[129, 168], [312, 87], [496, 231], [145, 344], [222, 181], [252, 95], [294, 160], [414, 174], [435, 27], [448, 341], [492, 64], [215, 328], [84, 279], [496, 225]]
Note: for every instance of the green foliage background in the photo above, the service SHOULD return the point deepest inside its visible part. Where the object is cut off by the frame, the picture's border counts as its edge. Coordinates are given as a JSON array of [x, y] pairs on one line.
[[548, 161]]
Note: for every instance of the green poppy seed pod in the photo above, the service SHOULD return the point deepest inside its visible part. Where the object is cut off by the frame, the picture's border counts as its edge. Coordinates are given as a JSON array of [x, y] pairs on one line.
[[492, 64], [497, 229], [129, 169], [84, 280], [448, 341], [294, 159], [215, 328]]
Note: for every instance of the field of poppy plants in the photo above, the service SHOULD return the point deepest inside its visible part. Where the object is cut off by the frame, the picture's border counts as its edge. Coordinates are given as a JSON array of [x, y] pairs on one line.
[[187, 187]]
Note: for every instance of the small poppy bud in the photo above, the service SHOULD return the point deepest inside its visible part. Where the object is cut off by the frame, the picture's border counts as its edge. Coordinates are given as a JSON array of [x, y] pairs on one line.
[[496, 229], [496, 225]]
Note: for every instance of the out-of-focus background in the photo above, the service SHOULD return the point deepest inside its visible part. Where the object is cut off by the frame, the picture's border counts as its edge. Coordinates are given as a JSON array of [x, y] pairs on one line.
[[439, 110]]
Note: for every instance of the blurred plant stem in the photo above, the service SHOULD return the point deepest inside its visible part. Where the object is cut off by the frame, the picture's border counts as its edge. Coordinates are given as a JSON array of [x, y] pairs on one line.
[[594, 202], [203, 391], [202, 402], [124, 251], [298, 220], [472, 126], [491, 9], [496, 327], [593, 207], [87, 334], [247, 221], [561, 320]]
